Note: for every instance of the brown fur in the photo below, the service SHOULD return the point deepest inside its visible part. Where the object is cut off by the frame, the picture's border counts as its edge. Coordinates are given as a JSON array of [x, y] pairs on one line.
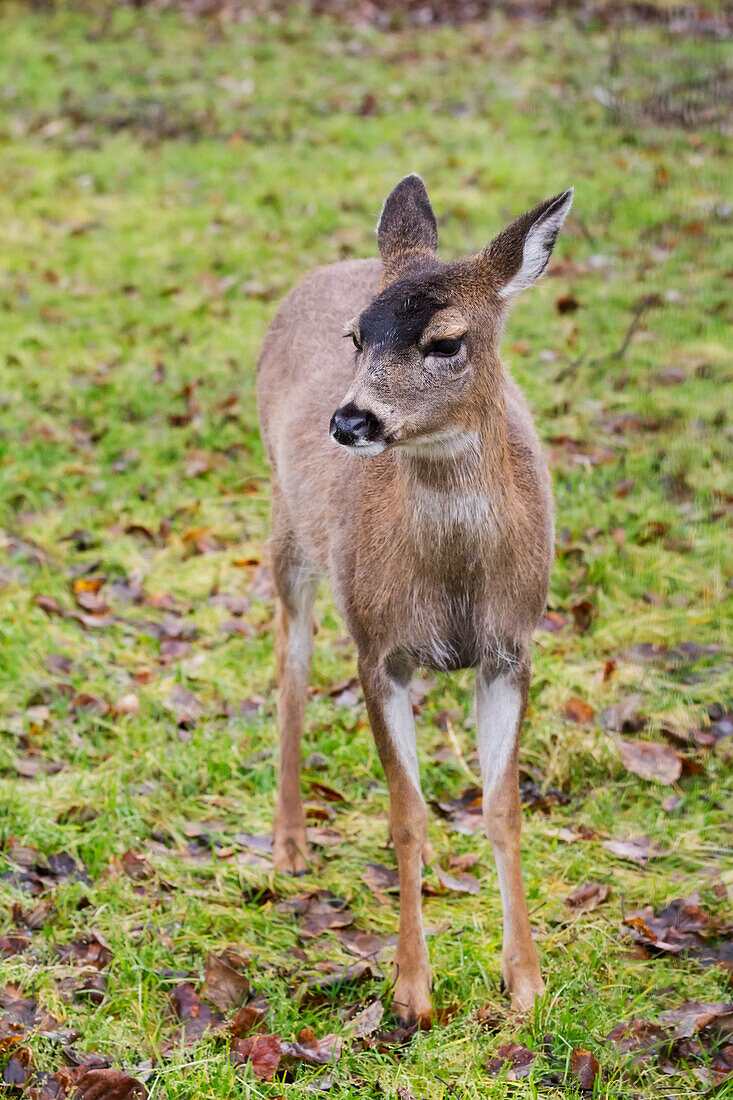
[[438, 555]]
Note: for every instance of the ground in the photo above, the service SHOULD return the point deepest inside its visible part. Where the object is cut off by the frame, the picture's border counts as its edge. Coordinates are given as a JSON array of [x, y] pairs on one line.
[[165, 180]]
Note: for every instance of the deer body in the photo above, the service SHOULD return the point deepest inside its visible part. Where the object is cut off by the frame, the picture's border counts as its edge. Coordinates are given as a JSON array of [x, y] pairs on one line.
[[432, 521]]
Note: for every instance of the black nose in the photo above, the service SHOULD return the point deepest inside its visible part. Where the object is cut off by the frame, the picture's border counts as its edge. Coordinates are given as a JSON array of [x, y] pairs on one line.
[[350, 425]]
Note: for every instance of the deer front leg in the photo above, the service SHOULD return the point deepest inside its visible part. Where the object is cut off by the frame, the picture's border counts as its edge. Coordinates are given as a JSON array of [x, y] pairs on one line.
[[390, 714], [294, 648], [500, 705]]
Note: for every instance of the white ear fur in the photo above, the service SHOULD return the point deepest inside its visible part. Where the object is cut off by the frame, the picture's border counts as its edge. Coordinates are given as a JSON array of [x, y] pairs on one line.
[[538, 245]]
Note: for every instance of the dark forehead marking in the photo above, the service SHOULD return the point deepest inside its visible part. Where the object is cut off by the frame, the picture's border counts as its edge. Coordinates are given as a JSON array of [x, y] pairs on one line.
[[397, 317]]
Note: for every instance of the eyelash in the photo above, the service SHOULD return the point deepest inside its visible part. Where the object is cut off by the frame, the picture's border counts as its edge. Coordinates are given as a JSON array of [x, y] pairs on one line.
[[445, 349]]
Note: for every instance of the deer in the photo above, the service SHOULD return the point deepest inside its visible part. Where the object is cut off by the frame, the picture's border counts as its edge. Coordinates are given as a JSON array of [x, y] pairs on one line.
[[407, 470]]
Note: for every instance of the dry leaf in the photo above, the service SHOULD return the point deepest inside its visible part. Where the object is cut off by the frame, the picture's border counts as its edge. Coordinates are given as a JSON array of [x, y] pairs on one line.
[[584, 1067], [638, 849], [578, 711], [516, 1059], [650, 760], [224, 986], [588, 896], [108, 1084]]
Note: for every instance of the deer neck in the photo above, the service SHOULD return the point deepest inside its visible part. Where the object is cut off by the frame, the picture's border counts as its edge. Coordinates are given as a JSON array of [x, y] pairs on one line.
[[471, 453]]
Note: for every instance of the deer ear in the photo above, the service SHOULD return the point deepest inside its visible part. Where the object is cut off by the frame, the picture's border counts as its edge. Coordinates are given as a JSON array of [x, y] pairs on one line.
[[519, 255], [407, 222]]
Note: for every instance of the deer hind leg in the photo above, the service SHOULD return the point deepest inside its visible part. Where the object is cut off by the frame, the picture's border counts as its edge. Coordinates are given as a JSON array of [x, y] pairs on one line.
[[501, 697], [296, 581], [390, 714]]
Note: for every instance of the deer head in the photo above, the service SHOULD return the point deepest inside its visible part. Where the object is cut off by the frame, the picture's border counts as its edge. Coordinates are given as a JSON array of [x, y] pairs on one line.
[[427, 347]]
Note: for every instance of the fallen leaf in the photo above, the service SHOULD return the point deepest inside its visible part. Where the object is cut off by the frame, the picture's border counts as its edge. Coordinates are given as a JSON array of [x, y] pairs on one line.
[[588, 896], [381, 879], [624, 717], [87, 950], [582, 613], [108, 1084], [184, 706], [553, 622], [463, 883], [247, 1018], [638, 1036], [584, 1067], [197, 1017], [516, 1059], [127, 704], [263, 1052], [368, 1020], [578, 711], [17, 1070], [637, 849], [225, 986], [308, 1048], [693, 1016], [572, 834], [322, 911], [681, 925], [650, 760], [365, 945]]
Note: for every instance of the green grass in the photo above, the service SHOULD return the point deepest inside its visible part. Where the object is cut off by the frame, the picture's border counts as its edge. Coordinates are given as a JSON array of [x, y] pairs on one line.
[[163, 184]]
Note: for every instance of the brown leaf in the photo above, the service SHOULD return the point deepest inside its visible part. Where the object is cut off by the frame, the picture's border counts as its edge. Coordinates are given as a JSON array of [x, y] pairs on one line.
[[127, 704], [322, 911], [650, 760], [327, 793], [572, 834], [566, 303], [681, 925], [381, 879], [136, 866], [13, 945], [582, 613], [584, 1067], [308, 1048], [624, 717], [462, 883], [247, 1018], [224, 986], [366, 945], [368, 1020], [588, 896], [638, 849], [18, 1069], [578, 711], [87, 950], [50, 605], [638, 1036], [108, 1084], [693, 1016], [516, 1059], [184, 706], [197, 1017], [263, 1052], [553, 622]]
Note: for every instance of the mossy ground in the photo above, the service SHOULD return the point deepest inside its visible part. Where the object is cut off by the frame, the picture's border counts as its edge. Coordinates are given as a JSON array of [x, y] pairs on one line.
[[164, 182]]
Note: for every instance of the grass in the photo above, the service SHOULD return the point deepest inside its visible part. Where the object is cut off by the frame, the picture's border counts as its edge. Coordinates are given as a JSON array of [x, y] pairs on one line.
[[163, 184]]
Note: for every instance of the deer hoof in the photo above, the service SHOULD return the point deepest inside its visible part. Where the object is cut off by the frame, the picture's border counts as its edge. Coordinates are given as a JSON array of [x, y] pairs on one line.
[[290, 855], [524, 988], [411, 1003]]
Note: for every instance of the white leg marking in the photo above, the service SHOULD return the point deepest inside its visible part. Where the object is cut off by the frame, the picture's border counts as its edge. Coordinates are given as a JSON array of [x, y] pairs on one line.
[[498, 704], [401, 726], [300, 625]]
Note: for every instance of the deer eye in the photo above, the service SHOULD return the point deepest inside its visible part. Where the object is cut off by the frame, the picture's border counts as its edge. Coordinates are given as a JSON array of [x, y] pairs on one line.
[[355, 338], [444, 349]]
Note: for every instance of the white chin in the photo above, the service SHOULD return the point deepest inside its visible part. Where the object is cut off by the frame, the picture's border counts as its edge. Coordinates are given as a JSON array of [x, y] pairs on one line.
[[367, 449]]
